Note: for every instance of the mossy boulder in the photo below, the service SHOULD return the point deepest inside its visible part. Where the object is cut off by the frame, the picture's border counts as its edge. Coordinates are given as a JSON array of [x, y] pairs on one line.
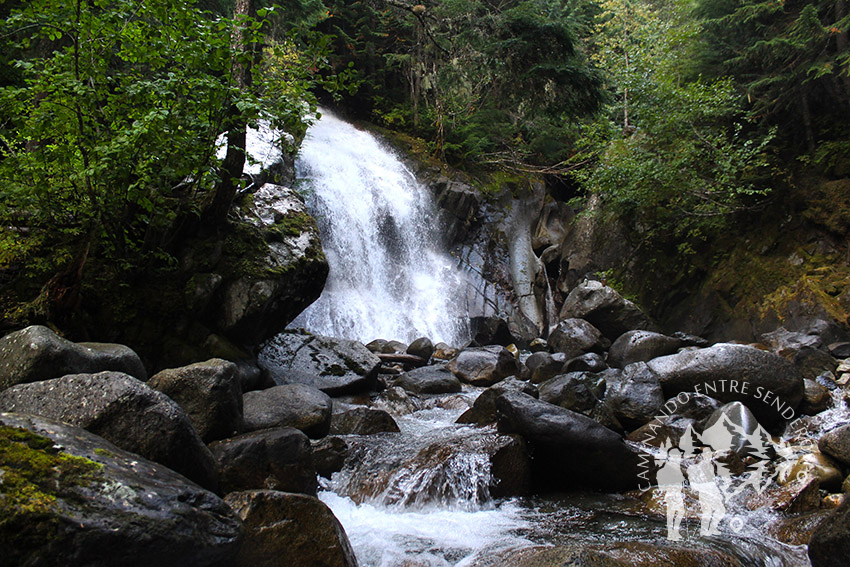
[[71, 498]]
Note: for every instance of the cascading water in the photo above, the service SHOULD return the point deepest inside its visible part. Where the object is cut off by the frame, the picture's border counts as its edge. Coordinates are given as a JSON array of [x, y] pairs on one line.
[[388, 277]]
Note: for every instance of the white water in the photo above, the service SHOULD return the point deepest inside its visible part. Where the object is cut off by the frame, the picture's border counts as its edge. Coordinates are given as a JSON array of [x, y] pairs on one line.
[[388, 277]]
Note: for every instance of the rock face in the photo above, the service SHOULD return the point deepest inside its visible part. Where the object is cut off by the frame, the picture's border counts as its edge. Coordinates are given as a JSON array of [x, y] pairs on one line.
[[830, 543], [289, 530], [484, 366], [124, 411], [574, 337], [576, 391], [211, 394], [483, 410], [640, 346], [769, 385], [37, 353], [273, 459], [429, 380], [569, 450], [606, 309], [289, 405], [335, 366], [66, 490]]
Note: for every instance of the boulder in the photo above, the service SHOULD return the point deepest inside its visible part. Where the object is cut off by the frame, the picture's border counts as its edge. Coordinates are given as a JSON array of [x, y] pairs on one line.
[[812, 362], [798, 530], [335, 366], [273, 459], [576, 391], [840, 350], [329, 455], [429, 380], [829, 545], [483, 410], [421, 347], [574, 337], [640, 346], [289, 530], [634, 395], [209, 392], [491, 331], [71, 498], [444, 352], [570, 451], [836, 444], [362, 421], [484, 366], [816, 465], [770, 386], [698, 407], [124, 411], [815, 399], [37, 353], [290, 405], [589, 362], [663, 429], [733, 427], [605, 309], [548, 366]]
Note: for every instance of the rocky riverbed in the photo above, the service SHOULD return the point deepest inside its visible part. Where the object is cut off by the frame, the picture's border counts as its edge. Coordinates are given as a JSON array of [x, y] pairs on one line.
[[431, 454]]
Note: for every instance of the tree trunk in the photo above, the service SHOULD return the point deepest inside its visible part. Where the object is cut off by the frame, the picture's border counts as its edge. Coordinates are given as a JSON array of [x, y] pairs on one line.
[[234, 160]]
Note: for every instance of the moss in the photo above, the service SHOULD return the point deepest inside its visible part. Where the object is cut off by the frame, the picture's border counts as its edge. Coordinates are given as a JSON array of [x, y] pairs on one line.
[[34, 475], [289, 226]]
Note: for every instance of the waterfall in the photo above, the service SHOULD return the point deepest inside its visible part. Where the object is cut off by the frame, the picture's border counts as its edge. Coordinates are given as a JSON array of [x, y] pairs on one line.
[[388, 276]]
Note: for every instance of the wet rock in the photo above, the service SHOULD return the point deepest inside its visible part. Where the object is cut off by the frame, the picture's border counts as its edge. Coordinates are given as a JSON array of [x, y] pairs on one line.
[[815, 399], [37, 353], [548, 366], [816, 465], [829, 545], [590, 362], [797, 530], [640, 346], [733, 426], [570, 451], [362, 421], [397, 401], [634, 396], [421, 347], [484, 366], [335, 366], [574, 337], [377, 345], [836, 444], [605, 309], [840, 350], [444, 352], [393, 347], [771, 386], [329, 454], [291, 530], [435, 379], [664, 429], [491, 331], [833, 501], [538, 344], [576, 391], [209, 392], [690, 340], [698, 407], [86, 489], [289, 405], [615, 554], [787, 343], [124, 411], [483, 410], [797, 497], [813, 362], [274, 459]]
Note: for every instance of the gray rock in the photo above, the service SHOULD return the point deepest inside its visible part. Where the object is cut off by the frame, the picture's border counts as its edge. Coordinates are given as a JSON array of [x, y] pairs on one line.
[[295, 530], [484, 366], [640, 346], [491, 331], [731, 427], [574, 337], [429, 380], [102, 505], [549, 367], [813, 362], [289, 405], [37, 353], [209, 392], [771, 386], [124, 411], [588, 362], [836, 443], [362, 421], [421, 347], [483, 410], [576, 391], [816, 398], [537, 359], [335, 366], [329, 455], [273, 459], [570, 451], [830, 542], [698, 407], [840, 350], [606, 309], [635, 396]]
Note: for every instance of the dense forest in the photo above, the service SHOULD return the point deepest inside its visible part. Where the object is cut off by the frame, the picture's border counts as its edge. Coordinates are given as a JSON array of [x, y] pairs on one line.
[[122, 123]]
